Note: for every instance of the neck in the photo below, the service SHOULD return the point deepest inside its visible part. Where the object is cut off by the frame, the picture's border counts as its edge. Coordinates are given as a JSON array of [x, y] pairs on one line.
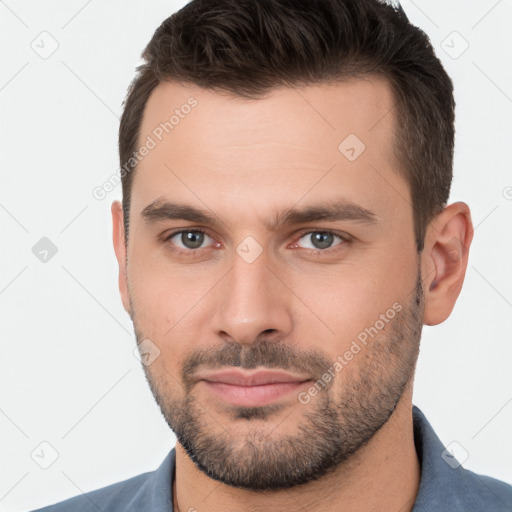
[[383, 475]]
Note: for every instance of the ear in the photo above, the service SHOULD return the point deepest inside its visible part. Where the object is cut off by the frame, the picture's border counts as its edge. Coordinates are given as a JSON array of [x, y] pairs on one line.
[[120, 250], [444, 260]]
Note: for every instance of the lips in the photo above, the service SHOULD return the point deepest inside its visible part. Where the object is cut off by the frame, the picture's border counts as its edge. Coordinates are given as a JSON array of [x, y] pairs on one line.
[[251, 388]]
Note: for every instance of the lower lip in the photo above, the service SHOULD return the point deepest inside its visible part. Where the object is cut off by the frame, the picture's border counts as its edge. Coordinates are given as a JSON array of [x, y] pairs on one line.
[[253, 396]]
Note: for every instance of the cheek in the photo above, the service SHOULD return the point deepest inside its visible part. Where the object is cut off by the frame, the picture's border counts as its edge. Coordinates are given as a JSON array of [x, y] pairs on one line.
[[169, 303], [349, 298], [162, 288]]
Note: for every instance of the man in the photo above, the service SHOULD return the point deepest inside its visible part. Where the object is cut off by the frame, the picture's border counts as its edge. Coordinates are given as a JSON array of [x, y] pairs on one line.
[[284, 234]]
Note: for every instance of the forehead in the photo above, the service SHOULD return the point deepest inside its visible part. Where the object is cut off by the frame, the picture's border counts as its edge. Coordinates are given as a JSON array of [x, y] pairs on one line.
[[293, 144], [323, 112]]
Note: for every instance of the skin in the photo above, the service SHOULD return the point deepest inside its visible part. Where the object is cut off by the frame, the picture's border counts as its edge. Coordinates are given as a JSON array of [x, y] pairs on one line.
[[285, 154]]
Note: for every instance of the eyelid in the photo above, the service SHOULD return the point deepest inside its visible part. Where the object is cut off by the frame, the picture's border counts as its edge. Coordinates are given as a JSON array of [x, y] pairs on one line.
[[167, 236], [345, 239]]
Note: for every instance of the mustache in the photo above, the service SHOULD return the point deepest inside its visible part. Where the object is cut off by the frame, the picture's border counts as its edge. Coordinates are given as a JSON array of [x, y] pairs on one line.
[[269, 354]]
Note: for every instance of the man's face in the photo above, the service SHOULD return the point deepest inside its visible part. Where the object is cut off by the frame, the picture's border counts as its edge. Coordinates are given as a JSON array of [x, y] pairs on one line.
[[333, 303]]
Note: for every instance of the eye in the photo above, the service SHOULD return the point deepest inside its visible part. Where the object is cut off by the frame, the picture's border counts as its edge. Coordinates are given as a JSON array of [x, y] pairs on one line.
[[188, 239], [321, 240]]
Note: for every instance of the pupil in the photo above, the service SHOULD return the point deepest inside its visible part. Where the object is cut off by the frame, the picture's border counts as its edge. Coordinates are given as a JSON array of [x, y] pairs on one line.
[[192, 239], [322, 240]]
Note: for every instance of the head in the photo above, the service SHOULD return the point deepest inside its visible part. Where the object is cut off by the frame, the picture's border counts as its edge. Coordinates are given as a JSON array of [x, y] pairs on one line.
[[285, 170]]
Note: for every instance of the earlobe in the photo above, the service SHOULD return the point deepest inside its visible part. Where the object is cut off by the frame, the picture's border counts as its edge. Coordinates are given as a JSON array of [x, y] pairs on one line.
[[118, 238], [446, 253]]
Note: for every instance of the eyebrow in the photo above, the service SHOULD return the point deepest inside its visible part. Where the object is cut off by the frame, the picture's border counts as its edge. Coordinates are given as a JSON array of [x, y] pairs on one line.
[[339, 210]]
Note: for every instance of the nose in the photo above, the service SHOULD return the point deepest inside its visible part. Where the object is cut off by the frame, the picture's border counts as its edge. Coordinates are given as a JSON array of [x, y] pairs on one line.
[[251, 302]]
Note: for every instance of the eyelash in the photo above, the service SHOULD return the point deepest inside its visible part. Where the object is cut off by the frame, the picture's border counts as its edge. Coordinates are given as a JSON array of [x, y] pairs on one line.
[[345, 239]]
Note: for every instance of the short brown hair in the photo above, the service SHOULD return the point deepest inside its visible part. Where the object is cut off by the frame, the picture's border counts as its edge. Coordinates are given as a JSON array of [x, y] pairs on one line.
[[249, 47]]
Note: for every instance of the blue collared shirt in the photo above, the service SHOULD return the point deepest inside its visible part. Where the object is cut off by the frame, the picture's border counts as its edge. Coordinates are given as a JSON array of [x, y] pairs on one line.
[[445, 485]]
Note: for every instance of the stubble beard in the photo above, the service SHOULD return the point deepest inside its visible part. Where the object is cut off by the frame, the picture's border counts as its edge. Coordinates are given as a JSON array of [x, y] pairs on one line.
[[333, 427]]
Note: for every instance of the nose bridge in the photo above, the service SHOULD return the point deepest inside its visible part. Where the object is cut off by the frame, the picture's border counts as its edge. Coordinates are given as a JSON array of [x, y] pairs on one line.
[[252, 299]]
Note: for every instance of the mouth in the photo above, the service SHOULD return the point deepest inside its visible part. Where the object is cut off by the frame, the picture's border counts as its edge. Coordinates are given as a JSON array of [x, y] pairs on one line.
[[252, 389]]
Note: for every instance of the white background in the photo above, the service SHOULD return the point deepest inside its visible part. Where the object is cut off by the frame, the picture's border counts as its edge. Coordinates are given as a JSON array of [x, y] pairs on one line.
[[68, 373]]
